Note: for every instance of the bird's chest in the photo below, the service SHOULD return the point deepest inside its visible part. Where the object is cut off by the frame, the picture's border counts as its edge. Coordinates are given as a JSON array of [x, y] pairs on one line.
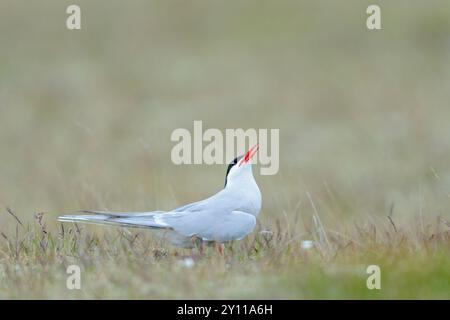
[[248, 201]]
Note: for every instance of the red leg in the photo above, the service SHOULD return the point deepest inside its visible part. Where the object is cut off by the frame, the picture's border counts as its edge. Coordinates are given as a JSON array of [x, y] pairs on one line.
[[220, 248]]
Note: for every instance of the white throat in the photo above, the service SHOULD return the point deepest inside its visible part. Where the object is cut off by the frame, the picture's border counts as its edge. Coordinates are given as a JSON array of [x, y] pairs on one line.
[[241, 185]]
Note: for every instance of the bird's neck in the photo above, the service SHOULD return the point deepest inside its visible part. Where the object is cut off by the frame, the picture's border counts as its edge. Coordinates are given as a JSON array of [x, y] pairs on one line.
[[244, 178], [245, 192]]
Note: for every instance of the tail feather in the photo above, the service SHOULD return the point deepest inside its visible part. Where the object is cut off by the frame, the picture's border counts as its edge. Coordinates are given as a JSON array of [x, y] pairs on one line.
[[122, 214], [124, 219]]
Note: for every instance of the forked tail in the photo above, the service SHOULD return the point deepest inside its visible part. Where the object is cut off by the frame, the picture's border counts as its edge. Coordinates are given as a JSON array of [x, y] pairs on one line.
[[123, 219]]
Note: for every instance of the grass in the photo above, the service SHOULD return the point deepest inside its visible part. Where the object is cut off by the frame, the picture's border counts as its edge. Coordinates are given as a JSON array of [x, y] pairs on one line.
[[270, 264], [86, 118]]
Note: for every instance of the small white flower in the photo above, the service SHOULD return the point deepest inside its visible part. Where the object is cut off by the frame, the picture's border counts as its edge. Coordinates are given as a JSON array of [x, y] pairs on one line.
[[187, 262], [307, 244]]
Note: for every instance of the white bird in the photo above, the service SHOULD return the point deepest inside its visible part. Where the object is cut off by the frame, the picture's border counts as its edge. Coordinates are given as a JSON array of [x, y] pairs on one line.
[[228, 215]]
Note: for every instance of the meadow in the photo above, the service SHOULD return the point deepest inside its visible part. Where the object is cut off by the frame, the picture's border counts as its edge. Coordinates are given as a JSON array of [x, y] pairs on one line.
[[86, 118]]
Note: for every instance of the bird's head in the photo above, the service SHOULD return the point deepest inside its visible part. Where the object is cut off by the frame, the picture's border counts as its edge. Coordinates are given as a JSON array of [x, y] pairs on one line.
[[241, 164]]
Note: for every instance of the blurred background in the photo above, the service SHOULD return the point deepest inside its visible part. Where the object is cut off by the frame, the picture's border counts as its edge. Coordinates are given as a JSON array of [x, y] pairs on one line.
[[86, 116]]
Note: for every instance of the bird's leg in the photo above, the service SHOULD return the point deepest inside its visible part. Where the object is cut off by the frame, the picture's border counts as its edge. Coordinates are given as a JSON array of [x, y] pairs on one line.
[[220, 247], [199, 245], [202, 248]]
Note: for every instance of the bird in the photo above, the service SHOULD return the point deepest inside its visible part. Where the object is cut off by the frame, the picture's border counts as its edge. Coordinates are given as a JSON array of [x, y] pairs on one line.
[[230, 214]]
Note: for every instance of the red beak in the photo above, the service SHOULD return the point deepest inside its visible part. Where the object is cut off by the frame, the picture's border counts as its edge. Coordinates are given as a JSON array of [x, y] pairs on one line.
[[249, 155]]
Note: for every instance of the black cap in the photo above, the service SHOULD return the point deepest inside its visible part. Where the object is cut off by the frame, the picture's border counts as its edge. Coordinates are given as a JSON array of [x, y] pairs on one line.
[[231, 165]]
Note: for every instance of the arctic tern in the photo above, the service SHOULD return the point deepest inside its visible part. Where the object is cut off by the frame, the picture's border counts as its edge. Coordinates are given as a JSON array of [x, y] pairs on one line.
[[228, 215]]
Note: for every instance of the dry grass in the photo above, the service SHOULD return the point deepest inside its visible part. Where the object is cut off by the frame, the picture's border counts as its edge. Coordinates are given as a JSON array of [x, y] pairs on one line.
[[269, 264]]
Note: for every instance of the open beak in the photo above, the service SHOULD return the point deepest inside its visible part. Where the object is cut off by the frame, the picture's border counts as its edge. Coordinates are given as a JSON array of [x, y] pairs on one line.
[[249, 155]]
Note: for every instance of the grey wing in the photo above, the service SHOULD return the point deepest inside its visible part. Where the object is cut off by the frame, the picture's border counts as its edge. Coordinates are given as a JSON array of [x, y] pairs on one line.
[[201, 205], [124, 219], [194, 206], [209, 226], [122, 214]]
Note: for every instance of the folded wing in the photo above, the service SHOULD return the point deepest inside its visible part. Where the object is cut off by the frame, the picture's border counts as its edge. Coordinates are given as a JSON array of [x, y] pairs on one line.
[[211, 226], [124, 219]]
